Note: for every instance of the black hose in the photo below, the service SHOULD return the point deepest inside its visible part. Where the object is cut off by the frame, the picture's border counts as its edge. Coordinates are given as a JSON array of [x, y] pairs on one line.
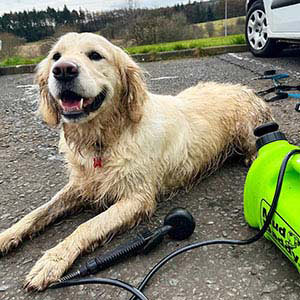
[[108, 281], [251, 240]]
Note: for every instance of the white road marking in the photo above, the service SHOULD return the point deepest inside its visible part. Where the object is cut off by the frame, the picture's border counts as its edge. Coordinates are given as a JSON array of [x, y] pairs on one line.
[[163, 78], [236, 56], [31, 92]]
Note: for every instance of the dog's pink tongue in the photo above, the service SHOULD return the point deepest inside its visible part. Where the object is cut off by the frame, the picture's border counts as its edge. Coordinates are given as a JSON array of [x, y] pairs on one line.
[[71, 105]]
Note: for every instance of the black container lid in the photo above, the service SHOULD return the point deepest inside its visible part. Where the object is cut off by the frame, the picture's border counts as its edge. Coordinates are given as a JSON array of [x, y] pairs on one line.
[[268, 133]]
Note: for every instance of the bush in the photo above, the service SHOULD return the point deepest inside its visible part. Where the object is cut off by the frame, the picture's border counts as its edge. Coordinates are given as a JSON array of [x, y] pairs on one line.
[[210, 28], [10, 44]]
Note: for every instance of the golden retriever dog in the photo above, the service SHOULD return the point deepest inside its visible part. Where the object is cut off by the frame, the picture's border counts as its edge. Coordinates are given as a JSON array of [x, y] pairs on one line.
[[123, 145]]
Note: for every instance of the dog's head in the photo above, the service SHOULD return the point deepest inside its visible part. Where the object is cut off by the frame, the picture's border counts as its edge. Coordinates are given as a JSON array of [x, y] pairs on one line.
[[84, 75]]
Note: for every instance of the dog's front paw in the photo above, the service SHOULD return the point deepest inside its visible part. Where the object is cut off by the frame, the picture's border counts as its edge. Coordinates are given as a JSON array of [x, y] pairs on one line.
[[46, 271], [8, 240]]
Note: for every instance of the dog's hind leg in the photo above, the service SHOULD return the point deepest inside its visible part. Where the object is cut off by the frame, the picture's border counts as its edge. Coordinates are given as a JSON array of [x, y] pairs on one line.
[[64, 201], [123, 214]]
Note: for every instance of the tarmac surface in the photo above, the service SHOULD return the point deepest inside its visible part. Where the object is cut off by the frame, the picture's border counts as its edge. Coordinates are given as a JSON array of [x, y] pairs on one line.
[[31, 172]]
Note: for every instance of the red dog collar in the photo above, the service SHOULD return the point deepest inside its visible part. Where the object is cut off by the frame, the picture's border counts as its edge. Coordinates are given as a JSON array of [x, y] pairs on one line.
[[97, 162]]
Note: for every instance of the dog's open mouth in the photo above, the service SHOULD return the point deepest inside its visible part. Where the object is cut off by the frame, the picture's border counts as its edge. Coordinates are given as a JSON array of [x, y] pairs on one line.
[[75, 106]]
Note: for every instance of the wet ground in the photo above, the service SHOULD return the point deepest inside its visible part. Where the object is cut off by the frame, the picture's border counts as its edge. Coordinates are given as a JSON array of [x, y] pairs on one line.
[[31, 172]]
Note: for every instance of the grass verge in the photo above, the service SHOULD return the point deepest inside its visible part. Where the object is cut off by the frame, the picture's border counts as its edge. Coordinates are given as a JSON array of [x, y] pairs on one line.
[[189, 44], [18, 60], [172, 46]]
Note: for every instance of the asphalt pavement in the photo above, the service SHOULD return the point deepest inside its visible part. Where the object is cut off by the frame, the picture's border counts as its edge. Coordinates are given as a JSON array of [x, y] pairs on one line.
[[31, 172]]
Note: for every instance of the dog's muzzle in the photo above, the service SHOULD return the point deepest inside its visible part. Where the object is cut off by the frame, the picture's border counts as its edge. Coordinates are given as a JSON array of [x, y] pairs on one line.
[[74, 106]]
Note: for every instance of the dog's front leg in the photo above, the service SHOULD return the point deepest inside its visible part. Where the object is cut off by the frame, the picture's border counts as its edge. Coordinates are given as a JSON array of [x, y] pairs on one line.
[[123, 214], [64, 201]]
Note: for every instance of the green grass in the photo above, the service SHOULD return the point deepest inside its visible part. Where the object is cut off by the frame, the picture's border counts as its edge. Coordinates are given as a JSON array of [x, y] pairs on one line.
[[189, 44], [180, 45], [17, 60]]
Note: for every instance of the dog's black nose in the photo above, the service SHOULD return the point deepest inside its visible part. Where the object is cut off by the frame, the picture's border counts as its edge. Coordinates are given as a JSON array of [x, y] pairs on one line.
[[65, 71]]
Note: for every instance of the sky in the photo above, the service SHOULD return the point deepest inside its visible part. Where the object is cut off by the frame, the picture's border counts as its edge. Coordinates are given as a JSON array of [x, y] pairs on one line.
[[91, 5]]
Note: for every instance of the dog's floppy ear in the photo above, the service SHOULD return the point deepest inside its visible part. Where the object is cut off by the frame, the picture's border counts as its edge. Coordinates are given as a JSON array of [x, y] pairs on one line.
[[48, 107], [133, 89]]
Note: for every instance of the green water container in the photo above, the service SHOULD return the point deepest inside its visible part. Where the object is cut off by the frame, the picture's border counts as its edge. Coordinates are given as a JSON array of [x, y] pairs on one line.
[[260, 185]]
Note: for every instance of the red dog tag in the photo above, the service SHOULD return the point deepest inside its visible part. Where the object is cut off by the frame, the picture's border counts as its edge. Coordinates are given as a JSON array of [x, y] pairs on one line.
[[97, 162]]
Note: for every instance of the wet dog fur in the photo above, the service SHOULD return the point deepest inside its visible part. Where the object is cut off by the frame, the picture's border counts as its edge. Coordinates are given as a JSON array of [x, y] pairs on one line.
[[124, 145]]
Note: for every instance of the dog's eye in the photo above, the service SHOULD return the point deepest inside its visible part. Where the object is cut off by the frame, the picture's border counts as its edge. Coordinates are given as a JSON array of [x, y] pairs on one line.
[[56, 56], [94, 55]]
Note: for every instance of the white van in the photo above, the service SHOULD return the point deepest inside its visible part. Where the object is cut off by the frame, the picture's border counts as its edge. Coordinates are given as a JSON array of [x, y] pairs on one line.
[[270, 24]]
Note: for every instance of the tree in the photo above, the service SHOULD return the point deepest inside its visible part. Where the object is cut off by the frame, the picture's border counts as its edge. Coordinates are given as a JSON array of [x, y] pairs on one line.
[[210, 14], [146, 29], [147, 25]]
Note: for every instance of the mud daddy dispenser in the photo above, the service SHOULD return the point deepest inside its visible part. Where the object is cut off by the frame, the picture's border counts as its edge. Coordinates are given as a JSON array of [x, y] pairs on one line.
[[275, 173]]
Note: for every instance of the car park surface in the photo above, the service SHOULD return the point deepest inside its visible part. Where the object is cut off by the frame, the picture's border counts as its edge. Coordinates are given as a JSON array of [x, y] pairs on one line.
[[31, 171]]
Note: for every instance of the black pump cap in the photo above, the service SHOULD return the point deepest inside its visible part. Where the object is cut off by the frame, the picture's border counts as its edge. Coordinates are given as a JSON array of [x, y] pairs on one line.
[[268, 133]]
